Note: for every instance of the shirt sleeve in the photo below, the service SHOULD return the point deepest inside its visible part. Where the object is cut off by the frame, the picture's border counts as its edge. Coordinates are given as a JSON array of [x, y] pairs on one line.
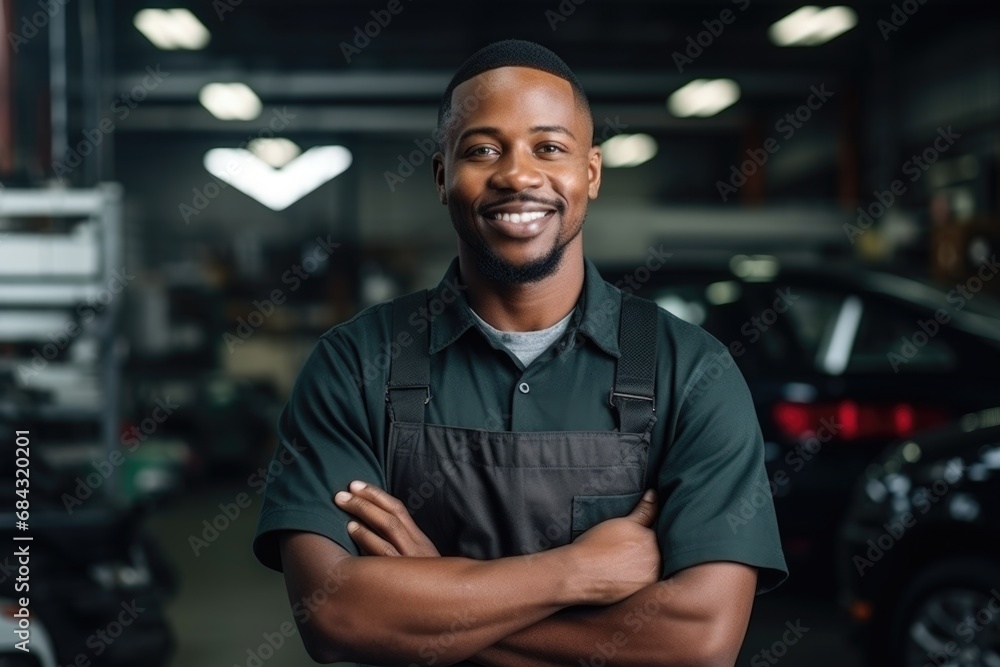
[[324, 442], [717, 500]]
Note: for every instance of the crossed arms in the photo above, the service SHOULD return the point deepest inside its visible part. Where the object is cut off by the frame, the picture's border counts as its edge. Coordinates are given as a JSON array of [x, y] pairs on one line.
[[596, 600]]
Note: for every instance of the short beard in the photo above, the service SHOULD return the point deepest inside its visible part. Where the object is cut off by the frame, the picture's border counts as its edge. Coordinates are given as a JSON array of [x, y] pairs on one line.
[[502, 273]]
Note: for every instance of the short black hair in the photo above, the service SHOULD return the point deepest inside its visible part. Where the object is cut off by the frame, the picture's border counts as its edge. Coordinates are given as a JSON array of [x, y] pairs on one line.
[[509, 53]]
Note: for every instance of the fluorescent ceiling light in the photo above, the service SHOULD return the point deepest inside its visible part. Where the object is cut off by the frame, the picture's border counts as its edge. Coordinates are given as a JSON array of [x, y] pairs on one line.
[[276, 152], [277, 188], [810, 25], [171, 29], [628, 150], [230, 101], [754, 268], [703, 97], [723, 292]]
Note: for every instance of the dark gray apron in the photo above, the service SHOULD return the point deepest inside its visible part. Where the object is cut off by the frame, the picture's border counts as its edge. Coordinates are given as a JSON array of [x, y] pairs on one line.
[[489, 494]]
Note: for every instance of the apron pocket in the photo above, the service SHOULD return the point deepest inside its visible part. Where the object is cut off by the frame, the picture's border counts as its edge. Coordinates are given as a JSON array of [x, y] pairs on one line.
[[588, 511]]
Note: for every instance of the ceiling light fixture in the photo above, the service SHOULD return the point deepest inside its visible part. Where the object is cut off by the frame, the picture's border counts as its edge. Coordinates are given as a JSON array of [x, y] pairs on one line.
[[628, 150], [276, 152], [171, 29], [230, 101], [277, 188], [703, 97], [811, 26]]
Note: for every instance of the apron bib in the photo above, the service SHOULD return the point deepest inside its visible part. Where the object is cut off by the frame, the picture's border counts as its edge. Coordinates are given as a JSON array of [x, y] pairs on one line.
[[490, 494]]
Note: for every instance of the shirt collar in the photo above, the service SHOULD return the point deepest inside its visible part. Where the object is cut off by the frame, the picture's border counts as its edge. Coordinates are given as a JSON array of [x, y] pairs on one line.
[[596, 316]]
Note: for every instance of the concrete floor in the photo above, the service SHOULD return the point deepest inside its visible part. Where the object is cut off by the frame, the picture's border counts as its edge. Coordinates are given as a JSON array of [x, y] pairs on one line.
[[228, 602]]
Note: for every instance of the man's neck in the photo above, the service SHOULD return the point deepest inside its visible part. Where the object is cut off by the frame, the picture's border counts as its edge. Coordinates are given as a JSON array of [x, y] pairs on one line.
[[530, 306]]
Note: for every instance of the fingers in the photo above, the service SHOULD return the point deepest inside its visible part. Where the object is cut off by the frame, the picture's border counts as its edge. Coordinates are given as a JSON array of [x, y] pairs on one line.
[[369, 542], [385, 515], [387, 502], [362, 505], [644, 512]]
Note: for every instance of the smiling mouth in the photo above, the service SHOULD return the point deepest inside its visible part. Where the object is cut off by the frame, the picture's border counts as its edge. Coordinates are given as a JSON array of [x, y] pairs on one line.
[[517, 218]]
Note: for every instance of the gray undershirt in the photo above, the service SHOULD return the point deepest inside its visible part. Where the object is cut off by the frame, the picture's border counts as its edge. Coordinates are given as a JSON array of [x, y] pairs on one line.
[[526, 345]]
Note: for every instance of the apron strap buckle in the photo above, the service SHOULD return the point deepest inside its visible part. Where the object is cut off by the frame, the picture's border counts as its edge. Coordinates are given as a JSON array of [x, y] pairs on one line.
[[425, 387], [408, 406], [636, 397], [635, 375], [411, 371], [636, 413]]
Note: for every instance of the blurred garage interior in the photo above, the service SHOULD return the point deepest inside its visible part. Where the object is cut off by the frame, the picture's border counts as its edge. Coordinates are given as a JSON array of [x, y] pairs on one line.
[[156, 304]]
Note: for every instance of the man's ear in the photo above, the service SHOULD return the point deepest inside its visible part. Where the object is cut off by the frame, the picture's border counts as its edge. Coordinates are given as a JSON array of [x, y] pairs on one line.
[[437, 165], [594, 161]]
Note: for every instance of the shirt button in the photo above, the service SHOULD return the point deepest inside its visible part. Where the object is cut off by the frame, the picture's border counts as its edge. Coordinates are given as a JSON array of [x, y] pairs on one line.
[[523, 387]]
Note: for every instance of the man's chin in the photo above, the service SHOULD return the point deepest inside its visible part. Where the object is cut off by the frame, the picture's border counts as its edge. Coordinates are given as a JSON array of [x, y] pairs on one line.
[[506, 273]]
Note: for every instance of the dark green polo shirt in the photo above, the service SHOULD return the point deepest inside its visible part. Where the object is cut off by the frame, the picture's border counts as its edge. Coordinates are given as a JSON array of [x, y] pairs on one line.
[[706, 458]]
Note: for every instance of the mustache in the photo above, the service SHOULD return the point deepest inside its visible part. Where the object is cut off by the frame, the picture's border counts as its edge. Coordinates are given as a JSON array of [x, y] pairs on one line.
[[521, 198]]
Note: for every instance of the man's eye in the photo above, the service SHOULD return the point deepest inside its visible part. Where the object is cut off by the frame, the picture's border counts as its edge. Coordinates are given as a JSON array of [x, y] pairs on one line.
[[550, 148], [480, 151]]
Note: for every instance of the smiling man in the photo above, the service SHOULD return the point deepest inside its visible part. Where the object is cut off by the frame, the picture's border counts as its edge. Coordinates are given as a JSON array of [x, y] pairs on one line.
[[532, 480]]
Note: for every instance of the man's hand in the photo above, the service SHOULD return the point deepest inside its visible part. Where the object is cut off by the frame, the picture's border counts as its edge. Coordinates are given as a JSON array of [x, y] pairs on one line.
[[615, 558], [620, 556], [384, 526]]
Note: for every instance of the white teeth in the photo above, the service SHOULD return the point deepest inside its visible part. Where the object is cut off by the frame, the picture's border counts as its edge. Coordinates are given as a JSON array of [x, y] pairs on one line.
[[520, 217]]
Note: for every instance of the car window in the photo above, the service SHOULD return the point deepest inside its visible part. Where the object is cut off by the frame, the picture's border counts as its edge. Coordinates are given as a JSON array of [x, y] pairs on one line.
[[843, 333], [812, 317], [891, 339], [722, 309]]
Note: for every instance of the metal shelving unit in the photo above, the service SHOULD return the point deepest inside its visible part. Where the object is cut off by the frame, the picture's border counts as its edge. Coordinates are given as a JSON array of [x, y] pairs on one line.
[[59, 310]]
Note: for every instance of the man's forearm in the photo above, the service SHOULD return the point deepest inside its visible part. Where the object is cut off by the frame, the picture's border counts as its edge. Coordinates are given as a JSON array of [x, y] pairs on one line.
[[669, 623], [424, 608], [385, 609]]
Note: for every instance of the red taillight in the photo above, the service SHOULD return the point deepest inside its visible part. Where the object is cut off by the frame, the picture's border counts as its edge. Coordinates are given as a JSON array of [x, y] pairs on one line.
[[849, 416], [903, 419], [792, 418], [849, 420]]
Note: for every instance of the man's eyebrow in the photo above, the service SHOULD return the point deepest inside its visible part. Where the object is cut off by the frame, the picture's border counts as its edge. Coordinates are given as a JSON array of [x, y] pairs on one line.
[[495, 131], [553, 128], [492, 131]]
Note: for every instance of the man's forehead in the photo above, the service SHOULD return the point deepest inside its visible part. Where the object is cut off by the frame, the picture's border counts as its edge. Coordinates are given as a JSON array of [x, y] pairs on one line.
[[514, 76], [500, 83]]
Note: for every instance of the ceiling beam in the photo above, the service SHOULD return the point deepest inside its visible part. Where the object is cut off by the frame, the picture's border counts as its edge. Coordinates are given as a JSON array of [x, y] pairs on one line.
[[425, 85], [407, 119]]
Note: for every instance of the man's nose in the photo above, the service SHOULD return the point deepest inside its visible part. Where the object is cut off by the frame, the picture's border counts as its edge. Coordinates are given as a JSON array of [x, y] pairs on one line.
[[516, 170]]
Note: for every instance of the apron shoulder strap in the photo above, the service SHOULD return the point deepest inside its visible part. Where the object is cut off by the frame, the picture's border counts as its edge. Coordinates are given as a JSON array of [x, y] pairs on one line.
[[633, 395], [408, 389]]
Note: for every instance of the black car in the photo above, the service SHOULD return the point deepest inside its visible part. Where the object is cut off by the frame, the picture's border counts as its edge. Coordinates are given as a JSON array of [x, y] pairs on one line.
[[841, 361], [919, 561]]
